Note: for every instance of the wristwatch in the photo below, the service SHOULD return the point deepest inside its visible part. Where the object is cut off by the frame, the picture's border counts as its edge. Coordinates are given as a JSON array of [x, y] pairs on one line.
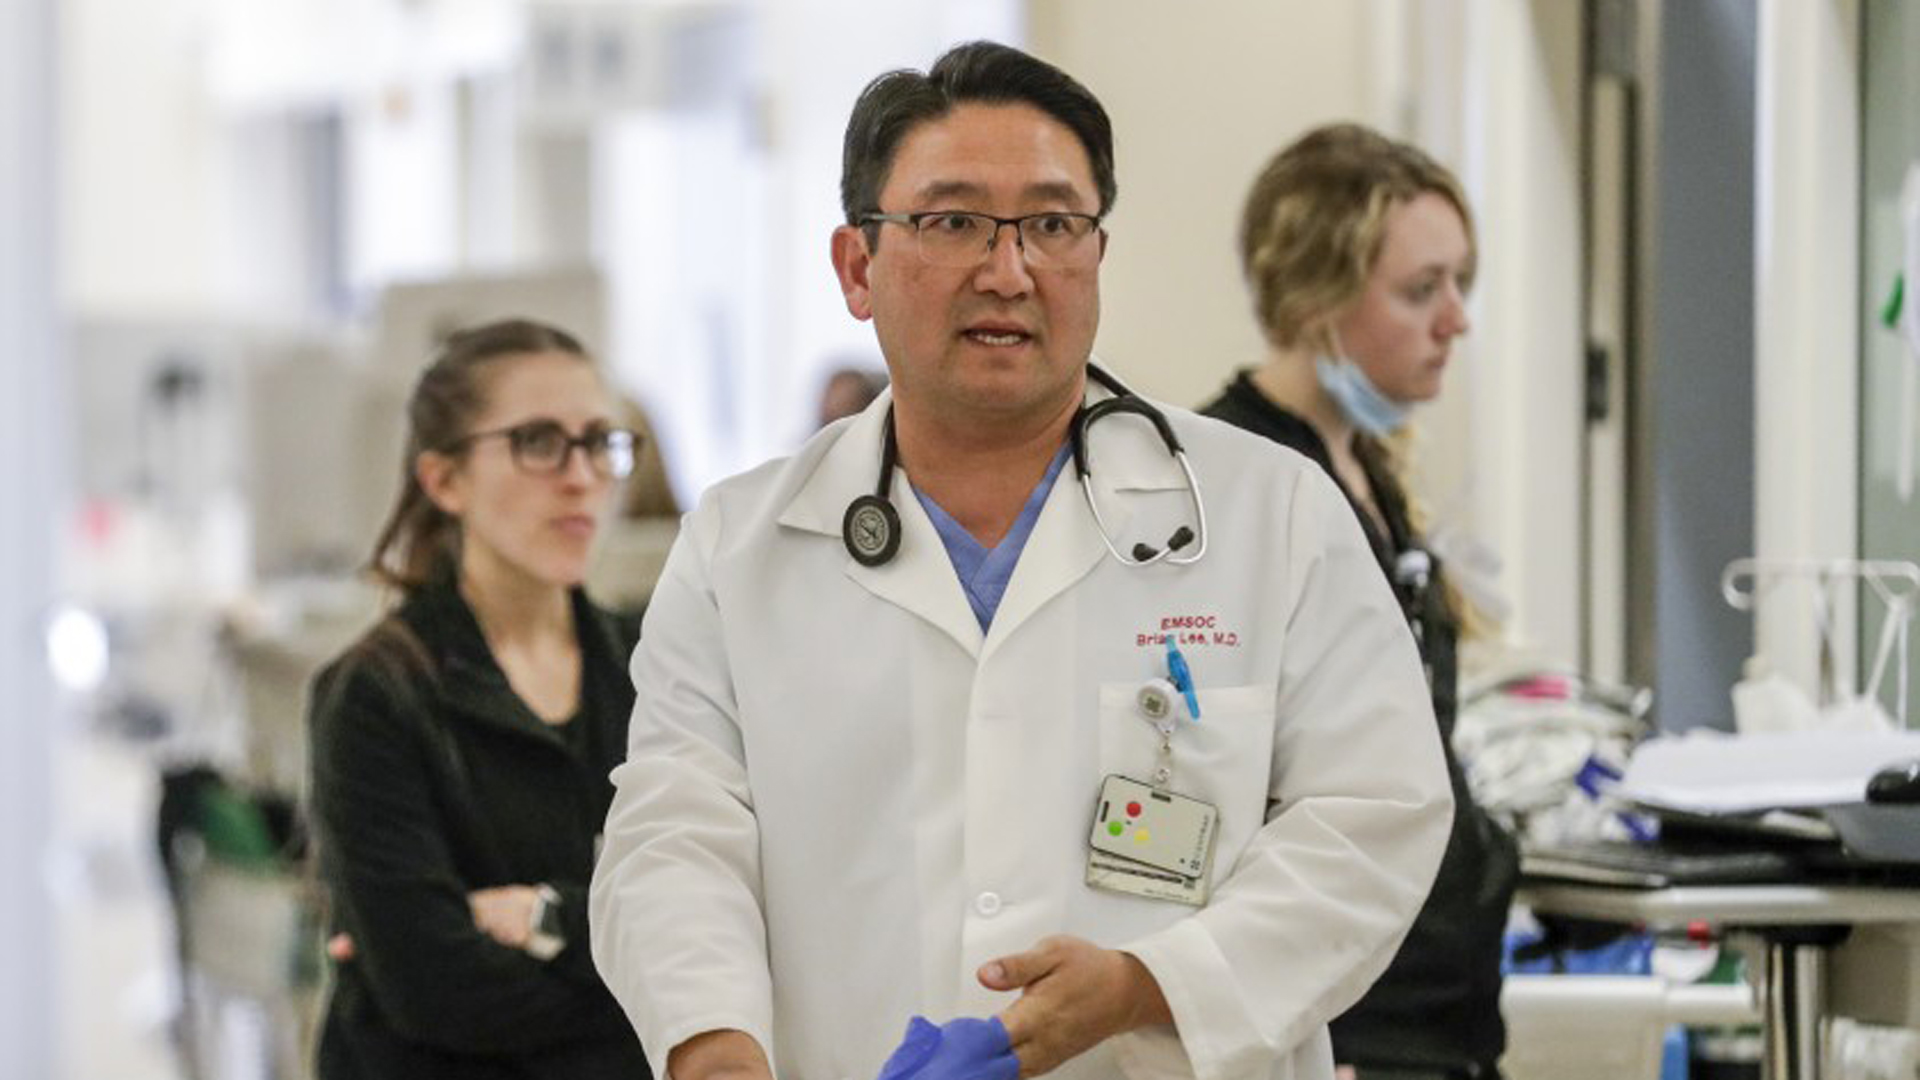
[[545, 935]]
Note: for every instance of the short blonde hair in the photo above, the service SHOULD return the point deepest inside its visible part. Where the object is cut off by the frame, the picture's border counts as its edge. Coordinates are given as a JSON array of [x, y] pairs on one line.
[[1315, 221]]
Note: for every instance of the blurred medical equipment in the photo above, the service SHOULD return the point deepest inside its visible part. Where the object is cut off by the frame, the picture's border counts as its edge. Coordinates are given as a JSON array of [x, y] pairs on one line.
[[1542, 749], [1766, 701]]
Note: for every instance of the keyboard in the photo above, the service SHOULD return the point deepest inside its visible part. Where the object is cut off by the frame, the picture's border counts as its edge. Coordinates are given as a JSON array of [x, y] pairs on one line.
[[1653, 866]]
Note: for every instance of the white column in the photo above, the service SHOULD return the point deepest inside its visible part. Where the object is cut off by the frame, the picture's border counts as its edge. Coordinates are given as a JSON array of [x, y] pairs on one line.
[[1499, 101], [28, 482], [1806, 309]]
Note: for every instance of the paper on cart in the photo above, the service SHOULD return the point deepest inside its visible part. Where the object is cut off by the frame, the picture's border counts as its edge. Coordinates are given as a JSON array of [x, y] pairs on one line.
[[1715, 773]]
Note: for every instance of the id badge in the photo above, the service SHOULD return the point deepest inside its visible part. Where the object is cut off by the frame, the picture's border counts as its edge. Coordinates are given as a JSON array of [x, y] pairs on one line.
[[1152, 843]]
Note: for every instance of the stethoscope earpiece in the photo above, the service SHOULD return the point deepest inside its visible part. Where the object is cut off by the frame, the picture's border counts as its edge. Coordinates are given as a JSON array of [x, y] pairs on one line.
[[1144, 553]]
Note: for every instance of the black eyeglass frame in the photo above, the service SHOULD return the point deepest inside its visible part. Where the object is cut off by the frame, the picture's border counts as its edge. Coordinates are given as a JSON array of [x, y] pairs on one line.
[[1096, 223], [603, 466]]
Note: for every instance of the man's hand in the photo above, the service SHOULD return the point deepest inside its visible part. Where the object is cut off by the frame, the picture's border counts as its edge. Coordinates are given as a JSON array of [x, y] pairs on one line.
[[719, 1055], [1074, 995]]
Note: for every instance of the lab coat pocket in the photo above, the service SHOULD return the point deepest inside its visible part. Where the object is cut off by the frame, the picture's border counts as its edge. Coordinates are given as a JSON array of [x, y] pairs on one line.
[[1225, 758]]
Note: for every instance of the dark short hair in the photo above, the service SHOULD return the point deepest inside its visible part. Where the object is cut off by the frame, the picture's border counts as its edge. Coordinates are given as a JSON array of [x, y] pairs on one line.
[[978, 71]]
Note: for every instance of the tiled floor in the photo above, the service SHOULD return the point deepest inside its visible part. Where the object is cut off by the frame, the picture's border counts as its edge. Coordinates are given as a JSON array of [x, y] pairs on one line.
[[115, 943]]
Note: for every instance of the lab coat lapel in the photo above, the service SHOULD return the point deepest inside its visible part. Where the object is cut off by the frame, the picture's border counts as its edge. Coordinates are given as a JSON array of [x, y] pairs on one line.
[[1065, 544], [1063, 547], [920, 578]]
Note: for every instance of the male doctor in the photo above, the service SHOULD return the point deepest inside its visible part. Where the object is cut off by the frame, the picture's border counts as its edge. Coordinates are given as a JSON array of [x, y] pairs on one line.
[[920, 735]]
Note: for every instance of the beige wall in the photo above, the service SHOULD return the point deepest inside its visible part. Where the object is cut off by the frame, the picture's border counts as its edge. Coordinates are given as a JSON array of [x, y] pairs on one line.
[[1201, 95]]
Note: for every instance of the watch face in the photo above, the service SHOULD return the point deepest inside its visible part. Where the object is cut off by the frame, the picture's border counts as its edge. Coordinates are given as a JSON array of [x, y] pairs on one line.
[[546, 936]]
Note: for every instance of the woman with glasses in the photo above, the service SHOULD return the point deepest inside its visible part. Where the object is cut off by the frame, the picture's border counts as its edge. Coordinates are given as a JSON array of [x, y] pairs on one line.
[[461, 747], [1359, 250]]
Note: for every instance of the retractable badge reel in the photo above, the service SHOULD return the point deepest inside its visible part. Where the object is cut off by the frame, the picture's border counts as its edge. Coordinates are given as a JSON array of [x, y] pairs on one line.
[[1147, 839]]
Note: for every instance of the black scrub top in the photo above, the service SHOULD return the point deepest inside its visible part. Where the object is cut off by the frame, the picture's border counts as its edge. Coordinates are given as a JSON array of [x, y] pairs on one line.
[[1437, 1007]]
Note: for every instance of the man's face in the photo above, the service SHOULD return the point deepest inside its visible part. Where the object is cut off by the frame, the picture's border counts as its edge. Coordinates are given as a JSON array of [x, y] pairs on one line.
[[1000, 340]]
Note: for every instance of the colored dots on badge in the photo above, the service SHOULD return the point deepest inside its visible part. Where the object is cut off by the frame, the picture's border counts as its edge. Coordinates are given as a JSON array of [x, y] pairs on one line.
[[1116, 829], [1140, 836], [1133, 809]]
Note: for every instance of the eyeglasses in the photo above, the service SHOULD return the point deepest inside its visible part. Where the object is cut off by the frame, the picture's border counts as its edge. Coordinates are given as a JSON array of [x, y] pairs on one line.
[[960, 239], [543, 446]]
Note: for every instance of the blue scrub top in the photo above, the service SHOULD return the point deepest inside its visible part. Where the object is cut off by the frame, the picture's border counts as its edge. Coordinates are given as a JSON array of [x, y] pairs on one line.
[[984, 572]]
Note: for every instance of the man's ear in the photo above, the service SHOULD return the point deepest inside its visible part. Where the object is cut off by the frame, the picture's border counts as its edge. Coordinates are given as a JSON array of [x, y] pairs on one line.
[[440, 477], [852, 262]]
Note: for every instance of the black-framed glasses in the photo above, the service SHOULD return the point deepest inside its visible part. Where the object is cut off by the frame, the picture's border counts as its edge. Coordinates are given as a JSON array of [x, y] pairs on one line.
[[543, 446], [960, 239]]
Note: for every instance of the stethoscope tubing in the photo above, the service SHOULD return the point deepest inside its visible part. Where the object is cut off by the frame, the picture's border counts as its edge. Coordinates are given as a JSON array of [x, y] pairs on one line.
[[871, 528]]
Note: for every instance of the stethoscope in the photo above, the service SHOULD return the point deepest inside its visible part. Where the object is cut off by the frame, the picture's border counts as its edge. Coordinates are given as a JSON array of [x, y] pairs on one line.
[[871, 527]]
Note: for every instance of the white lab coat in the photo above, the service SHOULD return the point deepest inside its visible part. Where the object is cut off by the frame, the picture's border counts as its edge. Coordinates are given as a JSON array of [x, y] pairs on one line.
[[841, 797]]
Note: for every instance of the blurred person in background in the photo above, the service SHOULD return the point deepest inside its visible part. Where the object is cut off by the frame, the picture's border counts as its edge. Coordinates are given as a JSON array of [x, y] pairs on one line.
[[461, 748], [848, 390], [648, 492], [1359, 251]]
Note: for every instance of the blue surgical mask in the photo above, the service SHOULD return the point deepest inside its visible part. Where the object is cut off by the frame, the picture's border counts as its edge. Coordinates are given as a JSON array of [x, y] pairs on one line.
[[1369, 410]]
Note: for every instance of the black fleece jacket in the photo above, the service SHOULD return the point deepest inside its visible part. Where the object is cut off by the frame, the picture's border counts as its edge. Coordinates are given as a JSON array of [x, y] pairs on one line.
[[431, 779]]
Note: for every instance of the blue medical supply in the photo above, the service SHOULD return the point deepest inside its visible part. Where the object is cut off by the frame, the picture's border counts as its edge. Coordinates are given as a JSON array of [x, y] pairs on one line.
[[1182, 677], [985, 572], [966, 1048], [1359, 399]]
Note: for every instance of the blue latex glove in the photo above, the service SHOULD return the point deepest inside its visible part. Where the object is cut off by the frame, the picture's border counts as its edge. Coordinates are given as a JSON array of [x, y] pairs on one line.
[[961, 1049]]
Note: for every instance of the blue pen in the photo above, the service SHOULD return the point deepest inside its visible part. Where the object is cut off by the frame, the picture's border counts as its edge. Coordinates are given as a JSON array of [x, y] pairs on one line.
[[1182, 677]]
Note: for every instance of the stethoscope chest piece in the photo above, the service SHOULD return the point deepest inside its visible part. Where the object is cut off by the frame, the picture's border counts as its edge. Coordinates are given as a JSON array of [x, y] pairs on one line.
[[871, 529]]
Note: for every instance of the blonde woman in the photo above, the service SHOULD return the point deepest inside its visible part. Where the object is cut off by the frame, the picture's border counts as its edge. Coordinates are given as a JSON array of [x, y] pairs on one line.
[[1359, 251]]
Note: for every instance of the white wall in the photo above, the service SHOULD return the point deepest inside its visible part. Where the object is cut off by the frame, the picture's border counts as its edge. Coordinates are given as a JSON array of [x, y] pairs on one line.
[[29, 486], [138, 160], [1499, 97], [807, 105], [1203, 95]]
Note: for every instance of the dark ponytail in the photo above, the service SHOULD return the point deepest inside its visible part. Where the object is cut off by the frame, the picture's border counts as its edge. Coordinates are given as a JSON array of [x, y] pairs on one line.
[[420, 542]]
